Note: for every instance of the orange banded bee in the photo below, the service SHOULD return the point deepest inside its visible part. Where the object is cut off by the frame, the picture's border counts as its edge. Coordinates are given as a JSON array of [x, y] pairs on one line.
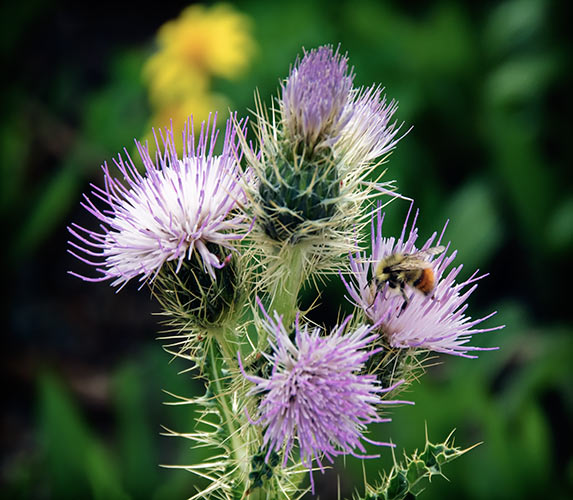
[[414, 270]]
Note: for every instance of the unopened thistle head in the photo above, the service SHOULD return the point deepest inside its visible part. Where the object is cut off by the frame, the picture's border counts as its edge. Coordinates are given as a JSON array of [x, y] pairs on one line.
[[435, 320], [180, 209], [318, 148], [317, 396]]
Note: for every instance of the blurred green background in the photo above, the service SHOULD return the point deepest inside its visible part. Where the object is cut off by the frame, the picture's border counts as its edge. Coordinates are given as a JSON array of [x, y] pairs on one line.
[[487, 87]]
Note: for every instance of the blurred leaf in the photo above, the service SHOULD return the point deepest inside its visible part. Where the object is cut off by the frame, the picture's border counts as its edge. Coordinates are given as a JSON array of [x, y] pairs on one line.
[[103, 474], [14, 144], [512, 24], [158, 373], [63, 438], [560, 227], [520, 79], [75, 460], [135, 432], [535, 445], [475, 228], [432, 46], [118, 113], [53, 202], [529, 181]]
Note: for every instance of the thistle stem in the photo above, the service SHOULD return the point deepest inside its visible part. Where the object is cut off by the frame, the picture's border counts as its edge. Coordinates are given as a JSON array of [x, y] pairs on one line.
[[226, 348], [239, 447], [286, 288]]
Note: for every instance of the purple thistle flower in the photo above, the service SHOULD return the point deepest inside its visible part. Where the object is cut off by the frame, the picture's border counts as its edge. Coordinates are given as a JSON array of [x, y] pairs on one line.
[[368, 133], [319, 105], [179, 206], [436, 322], [316, 394], [315, 95]]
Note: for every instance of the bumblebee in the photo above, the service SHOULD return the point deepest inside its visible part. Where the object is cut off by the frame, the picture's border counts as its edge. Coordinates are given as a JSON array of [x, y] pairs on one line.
[[414, 270]]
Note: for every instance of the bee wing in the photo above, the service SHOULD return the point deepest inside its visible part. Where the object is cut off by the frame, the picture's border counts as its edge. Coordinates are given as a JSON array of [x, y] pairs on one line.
[[410, 263], [436, 250], [417, 260], [424, 254]]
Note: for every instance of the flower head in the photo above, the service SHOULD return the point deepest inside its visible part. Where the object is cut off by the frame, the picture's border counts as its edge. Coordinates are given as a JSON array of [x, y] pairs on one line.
[[179, 208], [215, 40], [434, 321], [318, 151], [317, 394], [202, 43], [369, 133], [315, 95]]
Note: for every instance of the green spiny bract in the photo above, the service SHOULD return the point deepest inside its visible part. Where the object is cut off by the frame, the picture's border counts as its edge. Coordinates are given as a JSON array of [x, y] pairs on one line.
[[395, 364], [262, 470], [298, 194], [405, 480], [192, 298]]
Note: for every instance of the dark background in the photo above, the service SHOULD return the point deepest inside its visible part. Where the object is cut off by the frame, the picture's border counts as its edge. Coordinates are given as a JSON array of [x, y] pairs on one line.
[[487, 88]]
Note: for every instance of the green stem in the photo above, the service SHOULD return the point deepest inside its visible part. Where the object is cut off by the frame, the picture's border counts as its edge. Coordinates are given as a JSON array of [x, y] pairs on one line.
[[239, 448], [227, 348], [285, 289]]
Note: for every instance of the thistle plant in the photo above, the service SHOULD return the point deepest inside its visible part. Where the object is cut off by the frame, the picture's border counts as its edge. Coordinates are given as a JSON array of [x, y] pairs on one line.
[[225, 243]]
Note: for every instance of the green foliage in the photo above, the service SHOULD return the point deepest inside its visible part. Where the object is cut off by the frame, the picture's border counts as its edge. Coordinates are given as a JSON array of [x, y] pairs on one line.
[[473, 206], [74, 461], [118, 113], [137, 448], [77, 462]]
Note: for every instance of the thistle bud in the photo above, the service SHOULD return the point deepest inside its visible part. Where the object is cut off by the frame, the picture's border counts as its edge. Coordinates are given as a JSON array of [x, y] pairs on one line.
[[321, 143], [191, 297], [298, 197]]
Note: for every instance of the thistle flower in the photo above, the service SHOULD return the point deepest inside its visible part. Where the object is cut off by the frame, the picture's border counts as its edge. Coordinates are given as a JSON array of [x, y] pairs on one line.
[[315, 96], [317, 151], [178, 209], [369, 133], [320, 106], [435, 322], [316, 394]]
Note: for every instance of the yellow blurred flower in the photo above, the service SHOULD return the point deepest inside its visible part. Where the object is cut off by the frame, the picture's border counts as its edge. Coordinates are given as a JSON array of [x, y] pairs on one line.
[[196, 106], [214, 40], [169, 83], [202, 43]]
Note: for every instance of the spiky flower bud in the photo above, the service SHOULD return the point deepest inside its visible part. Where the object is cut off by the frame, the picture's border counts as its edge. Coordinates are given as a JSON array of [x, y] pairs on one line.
[[192, 298], [262, 469], [317, 150]]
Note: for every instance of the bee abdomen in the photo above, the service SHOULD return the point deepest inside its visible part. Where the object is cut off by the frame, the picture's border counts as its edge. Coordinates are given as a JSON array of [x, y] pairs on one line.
[[425, 283]]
